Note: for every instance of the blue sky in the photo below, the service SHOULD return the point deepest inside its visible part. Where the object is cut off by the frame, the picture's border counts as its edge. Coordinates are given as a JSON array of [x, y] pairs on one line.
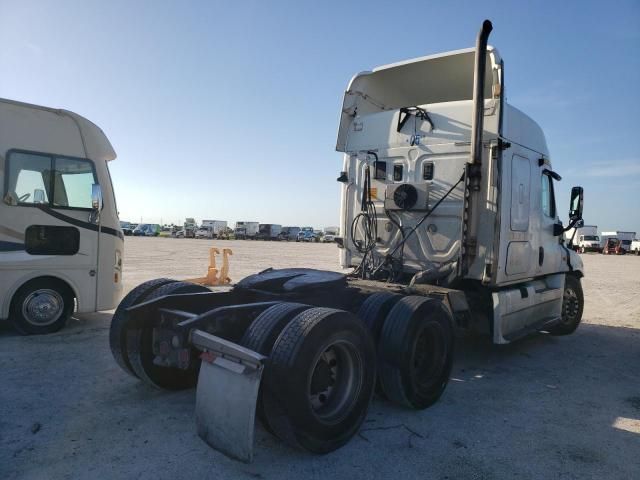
[[229, 110]]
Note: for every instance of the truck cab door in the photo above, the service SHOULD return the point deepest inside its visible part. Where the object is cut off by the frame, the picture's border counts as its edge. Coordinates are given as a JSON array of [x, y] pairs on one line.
[[549, 249]]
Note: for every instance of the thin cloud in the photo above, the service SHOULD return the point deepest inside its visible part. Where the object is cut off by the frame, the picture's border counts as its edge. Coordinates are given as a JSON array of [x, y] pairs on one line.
[[627, 168], [34, 48]]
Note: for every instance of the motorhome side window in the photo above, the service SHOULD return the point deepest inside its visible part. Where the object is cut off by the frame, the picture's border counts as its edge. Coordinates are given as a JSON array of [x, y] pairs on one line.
[[40, 179], [548, 202]]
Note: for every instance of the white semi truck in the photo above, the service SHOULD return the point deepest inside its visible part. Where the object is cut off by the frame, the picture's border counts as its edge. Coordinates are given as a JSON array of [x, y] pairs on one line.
[[583, 239], [211, 228], [449, 223], [61, 244], [189, 227]]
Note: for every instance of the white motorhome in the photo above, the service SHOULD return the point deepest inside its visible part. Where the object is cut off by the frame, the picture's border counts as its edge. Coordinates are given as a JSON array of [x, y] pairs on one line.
[[583, 239], [61, 244]]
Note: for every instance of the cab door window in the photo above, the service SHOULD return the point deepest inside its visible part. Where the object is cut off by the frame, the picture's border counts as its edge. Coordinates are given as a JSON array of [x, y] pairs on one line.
[[548, 200], [72, 183]]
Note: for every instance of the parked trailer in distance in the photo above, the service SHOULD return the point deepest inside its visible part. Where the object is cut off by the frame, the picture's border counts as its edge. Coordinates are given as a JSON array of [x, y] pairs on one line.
[[289, 233], [635, 247], [61, 245], [268, 231], [245, 230]]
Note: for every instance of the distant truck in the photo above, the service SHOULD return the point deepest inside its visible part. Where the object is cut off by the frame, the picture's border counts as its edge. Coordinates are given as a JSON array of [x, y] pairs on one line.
[[211, 228], [330, 234], [269, 231], [190, 227], [625, 238], [306, 235], [289, 233], [635, 247], [246, 230], [126, 227], [613, 246], [584, 239], [147, 230]]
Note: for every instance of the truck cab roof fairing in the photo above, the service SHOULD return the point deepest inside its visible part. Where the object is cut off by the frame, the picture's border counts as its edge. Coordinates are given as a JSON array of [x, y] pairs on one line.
[[444, 77]]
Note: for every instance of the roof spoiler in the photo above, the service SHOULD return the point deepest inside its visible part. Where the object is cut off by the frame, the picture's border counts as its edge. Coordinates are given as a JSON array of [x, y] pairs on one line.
[[477, 123]]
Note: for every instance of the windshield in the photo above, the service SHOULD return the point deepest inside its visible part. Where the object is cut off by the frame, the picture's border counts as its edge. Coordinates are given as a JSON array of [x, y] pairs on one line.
[[626, 242], [592, 237]]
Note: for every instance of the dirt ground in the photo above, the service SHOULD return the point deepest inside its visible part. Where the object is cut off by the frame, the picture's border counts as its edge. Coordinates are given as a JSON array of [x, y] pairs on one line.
[[544, 407]]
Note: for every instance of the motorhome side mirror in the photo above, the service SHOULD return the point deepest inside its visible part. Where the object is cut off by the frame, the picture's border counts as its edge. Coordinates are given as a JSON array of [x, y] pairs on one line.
[[576, 203], [96, 197], [38, 195]]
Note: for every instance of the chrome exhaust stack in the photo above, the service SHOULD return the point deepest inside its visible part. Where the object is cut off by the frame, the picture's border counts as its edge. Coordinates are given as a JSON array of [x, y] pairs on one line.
[[477, 123]]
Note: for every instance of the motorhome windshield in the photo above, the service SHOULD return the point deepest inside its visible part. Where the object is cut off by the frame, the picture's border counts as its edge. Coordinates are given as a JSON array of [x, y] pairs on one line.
[[592, 238]]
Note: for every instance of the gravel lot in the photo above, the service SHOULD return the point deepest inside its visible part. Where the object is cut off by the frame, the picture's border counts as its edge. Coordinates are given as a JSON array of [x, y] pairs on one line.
[[545, 407]]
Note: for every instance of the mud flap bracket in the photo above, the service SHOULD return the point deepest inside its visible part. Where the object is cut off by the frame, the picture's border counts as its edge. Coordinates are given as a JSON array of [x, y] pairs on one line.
[[226, 395]]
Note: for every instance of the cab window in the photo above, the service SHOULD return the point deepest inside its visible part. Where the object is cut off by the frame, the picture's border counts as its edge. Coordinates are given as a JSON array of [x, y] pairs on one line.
[[73, 181], [548, 201], [41, 179], [27, 176]]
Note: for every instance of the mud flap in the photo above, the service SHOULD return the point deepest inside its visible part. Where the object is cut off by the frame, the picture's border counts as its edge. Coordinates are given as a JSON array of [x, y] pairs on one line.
[[226, 395]]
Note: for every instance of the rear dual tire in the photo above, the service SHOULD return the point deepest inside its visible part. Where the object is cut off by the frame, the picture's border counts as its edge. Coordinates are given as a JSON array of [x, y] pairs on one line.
[[140, 347], [263, 333], [415, 351], [132, 344], [319, 380], [118, 330]]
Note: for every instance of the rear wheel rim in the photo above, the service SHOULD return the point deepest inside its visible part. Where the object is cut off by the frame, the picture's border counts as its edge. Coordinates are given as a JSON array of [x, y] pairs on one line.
[[428, 356], [43, 307], [335, 381]]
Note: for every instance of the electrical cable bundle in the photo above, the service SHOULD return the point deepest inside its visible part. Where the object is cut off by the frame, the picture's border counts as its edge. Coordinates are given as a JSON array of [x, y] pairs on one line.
[[366, 221]]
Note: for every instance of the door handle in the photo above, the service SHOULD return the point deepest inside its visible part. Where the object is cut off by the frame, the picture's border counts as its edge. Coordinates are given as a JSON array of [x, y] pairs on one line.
[[540, 256]]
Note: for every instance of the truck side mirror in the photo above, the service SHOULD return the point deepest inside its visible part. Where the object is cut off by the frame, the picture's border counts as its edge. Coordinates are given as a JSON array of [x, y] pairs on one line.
[[576, 203], [558, 229], [96, 197]]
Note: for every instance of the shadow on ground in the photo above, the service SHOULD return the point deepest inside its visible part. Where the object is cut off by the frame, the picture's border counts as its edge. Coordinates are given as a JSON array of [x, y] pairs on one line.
[[544, 407]]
